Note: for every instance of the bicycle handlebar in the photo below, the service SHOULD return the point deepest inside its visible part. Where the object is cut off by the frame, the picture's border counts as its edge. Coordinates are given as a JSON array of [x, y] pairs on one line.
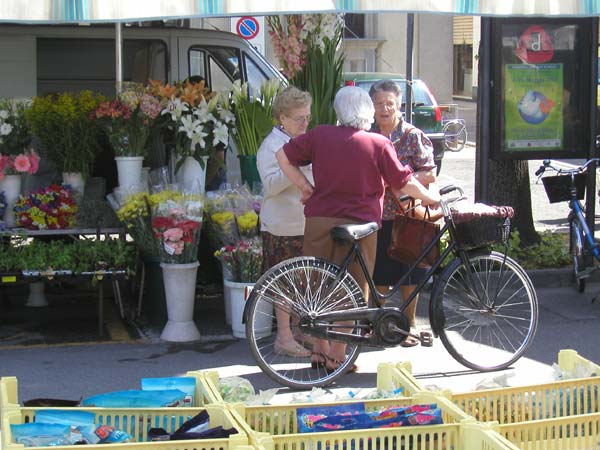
[[443, 191], [547, 164]]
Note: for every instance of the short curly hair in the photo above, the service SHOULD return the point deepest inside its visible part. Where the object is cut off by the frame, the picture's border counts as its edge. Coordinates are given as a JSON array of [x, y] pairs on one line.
[[354, 107], [386, 86], [289, 99]]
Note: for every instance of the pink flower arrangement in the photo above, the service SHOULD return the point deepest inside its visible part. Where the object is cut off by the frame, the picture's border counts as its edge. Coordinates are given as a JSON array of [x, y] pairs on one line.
[[28, 162]]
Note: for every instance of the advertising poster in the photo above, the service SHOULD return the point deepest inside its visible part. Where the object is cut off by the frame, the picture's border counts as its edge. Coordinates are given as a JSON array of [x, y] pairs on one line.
[[533, 106]]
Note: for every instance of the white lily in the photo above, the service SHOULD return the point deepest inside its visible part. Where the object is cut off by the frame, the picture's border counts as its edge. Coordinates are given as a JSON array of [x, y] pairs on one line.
[[4, 114], [5, 129], [175, 107], [221, 134]]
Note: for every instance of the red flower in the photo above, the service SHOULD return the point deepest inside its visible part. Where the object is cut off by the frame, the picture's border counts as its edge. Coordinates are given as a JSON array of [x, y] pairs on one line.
[[163, 222]]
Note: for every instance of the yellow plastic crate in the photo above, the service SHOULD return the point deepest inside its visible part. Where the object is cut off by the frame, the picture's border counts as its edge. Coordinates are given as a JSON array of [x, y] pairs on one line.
[[280, 422], [580, 432], [203, 395], [391, 376], [210, 384], [136, 423]]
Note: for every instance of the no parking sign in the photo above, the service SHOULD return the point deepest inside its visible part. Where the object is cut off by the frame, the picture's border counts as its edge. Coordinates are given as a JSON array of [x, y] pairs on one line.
[[250, 28]]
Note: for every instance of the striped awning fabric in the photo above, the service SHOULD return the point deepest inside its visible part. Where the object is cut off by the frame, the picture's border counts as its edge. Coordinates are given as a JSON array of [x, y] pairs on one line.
[[77, 11]]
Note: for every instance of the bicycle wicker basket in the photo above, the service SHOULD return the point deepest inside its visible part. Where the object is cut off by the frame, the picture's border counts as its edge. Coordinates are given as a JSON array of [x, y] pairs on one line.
[[482, 232], [558, 187]]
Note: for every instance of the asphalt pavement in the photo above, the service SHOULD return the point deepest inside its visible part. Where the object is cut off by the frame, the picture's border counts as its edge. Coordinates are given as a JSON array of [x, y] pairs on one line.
[[567, 319]]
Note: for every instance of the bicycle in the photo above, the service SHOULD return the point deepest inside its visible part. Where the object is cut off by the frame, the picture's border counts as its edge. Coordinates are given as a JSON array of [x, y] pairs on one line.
[[483, 305], [569, 185], [455, 130]]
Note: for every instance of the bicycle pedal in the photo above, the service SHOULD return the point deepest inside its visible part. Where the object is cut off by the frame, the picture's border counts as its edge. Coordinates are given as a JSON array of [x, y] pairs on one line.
[[426, 338]]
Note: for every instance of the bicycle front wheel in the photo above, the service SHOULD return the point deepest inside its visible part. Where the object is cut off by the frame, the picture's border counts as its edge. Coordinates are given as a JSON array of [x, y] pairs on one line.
[[577, 253], [485, 312], [455, 136], [297, 288]]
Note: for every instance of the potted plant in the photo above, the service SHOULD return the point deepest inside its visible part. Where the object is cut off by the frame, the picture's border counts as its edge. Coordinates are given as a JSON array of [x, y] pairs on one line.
[[69, 136], [15, 156], [128, 122], [201, 123], [253, 122]]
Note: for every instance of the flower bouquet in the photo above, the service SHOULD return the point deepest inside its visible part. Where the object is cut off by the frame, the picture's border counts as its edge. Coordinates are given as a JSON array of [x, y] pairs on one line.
[[200, 120], [243, 259], [135, 213], [128, 120], [176, 223], [315, 38], [51, 208]]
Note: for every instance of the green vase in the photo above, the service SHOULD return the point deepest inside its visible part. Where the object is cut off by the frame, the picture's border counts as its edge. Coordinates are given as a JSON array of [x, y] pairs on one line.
[[248, 170]]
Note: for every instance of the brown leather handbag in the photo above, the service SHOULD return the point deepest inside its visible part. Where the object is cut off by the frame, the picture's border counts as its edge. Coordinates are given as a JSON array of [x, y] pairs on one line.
[[412, 232]]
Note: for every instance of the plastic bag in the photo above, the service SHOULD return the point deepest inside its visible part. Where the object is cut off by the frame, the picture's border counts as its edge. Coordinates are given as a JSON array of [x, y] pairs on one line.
[[307, 417], [236, 389], [137, 399], [65, 417], [185, 384]]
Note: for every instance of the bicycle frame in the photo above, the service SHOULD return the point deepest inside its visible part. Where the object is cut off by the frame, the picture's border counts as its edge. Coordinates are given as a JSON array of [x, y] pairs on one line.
[[577, 209], [370, 313]]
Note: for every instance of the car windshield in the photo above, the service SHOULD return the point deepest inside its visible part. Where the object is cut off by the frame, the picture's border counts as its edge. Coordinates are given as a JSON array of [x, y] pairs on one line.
[[420, 95]]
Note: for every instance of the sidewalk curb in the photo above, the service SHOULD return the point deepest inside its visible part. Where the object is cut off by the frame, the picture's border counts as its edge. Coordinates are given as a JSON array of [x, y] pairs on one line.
[[556, 278]]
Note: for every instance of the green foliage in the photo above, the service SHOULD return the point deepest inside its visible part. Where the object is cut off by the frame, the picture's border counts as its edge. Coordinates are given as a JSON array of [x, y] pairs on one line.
[[253, 115], [77, 256], [322, 77], [66, 129], [551, 252]]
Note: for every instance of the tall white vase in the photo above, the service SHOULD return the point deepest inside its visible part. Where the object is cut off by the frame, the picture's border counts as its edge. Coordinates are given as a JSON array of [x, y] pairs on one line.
[[264, 323], [129, 169], [77, 183], [192, 172], [180, 291], [11, 185]]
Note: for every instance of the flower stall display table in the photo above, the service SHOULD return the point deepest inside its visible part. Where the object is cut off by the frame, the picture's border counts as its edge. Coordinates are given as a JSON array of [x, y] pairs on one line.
[[26, 277]]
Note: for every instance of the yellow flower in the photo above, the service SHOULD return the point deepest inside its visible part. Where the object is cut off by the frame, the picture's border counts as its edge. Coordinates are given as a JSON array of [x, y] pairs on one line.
[[247, 222], [221, 218]]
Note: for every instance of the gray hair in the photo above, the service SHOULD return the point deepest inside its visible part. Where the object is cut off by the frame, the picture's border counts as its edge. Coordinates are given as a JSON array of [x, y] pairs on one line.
[[386, 86], [354, 107], [289, 99]]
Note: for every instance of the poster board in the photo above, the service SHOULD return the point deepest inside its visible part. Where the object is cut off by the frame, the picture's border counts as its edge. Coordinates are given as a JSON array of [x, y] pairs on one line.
[[541, 88]]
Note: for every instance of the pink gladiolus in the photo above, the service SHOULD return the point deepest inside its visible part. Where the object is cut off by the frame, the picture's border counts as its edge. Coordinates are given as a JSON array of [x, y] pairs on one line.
[[22, 163], [34, 161]]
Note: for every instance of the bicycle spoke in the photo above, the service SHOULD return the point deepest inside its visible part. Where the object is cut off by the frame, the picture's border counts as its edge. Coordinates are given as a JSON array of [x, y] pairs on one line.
[[489, 311]]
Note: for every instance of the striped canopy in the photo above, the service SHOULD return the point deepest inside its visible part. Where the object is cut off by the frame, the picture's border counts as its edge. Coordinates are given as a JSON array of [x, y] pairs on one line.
[[73, 11]]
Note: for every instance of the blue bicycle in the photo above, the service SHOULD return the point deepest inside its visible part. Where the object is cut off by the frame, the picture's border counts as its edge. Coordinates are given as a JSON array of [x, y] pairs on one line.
[[569, 185]]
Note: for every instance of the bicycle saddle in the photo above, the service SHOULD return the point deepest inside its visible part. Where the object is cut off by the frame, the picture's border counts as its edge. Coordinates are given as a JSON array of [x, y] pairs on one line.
[[353, 231]]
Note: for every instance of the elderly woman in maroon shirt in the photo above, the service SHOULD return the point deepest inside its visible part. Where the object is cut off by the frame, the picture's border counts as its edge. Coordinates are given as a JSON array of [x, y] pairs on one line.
[[351, 168]]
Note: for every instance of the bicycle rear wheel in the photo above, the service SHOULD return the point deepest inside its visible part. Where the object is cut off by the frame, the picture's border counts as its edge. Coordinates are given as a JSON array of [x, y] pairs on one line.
[[300, 287], [577, 253], [486, 312], [455, 136]]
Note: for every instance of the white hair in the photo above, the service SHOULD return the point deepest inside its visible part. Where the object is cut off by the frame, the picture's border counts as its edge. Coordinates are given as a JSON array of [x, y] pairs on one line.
[[354, 107]]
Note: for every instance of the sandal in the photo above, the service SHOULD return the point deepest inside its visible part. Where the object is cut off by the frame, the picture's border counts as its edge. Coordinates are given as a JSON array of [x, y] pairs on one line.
[[320, 362], [410, 340], [352, 369], [293, 349]]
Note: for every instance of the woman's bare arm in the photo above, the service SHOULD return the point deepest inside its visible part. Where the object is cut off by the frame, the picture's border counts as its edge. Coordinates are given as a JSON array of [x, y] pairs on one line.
[[295, 175]]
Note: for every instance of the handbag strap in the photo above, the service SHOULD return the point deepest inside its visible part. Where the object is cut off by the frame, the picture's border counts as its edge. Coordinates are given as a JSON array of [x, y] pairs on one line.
[[401, 208]]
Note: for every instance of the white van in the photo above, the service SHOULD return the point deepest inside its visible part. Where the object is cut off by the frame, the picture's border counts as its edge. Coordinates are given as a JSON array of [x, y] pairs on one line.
[[37, 60]]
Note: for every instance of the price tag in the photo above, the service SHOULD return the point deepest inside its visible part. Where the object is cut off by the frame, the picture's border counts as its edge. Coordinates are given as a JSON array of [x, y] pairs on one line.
[[9, 279]]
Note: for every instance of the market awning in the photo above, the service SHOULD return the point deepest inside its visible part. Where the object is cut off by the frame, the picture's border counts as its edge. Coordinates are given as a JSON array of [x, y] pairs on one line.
[[77, 11]]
